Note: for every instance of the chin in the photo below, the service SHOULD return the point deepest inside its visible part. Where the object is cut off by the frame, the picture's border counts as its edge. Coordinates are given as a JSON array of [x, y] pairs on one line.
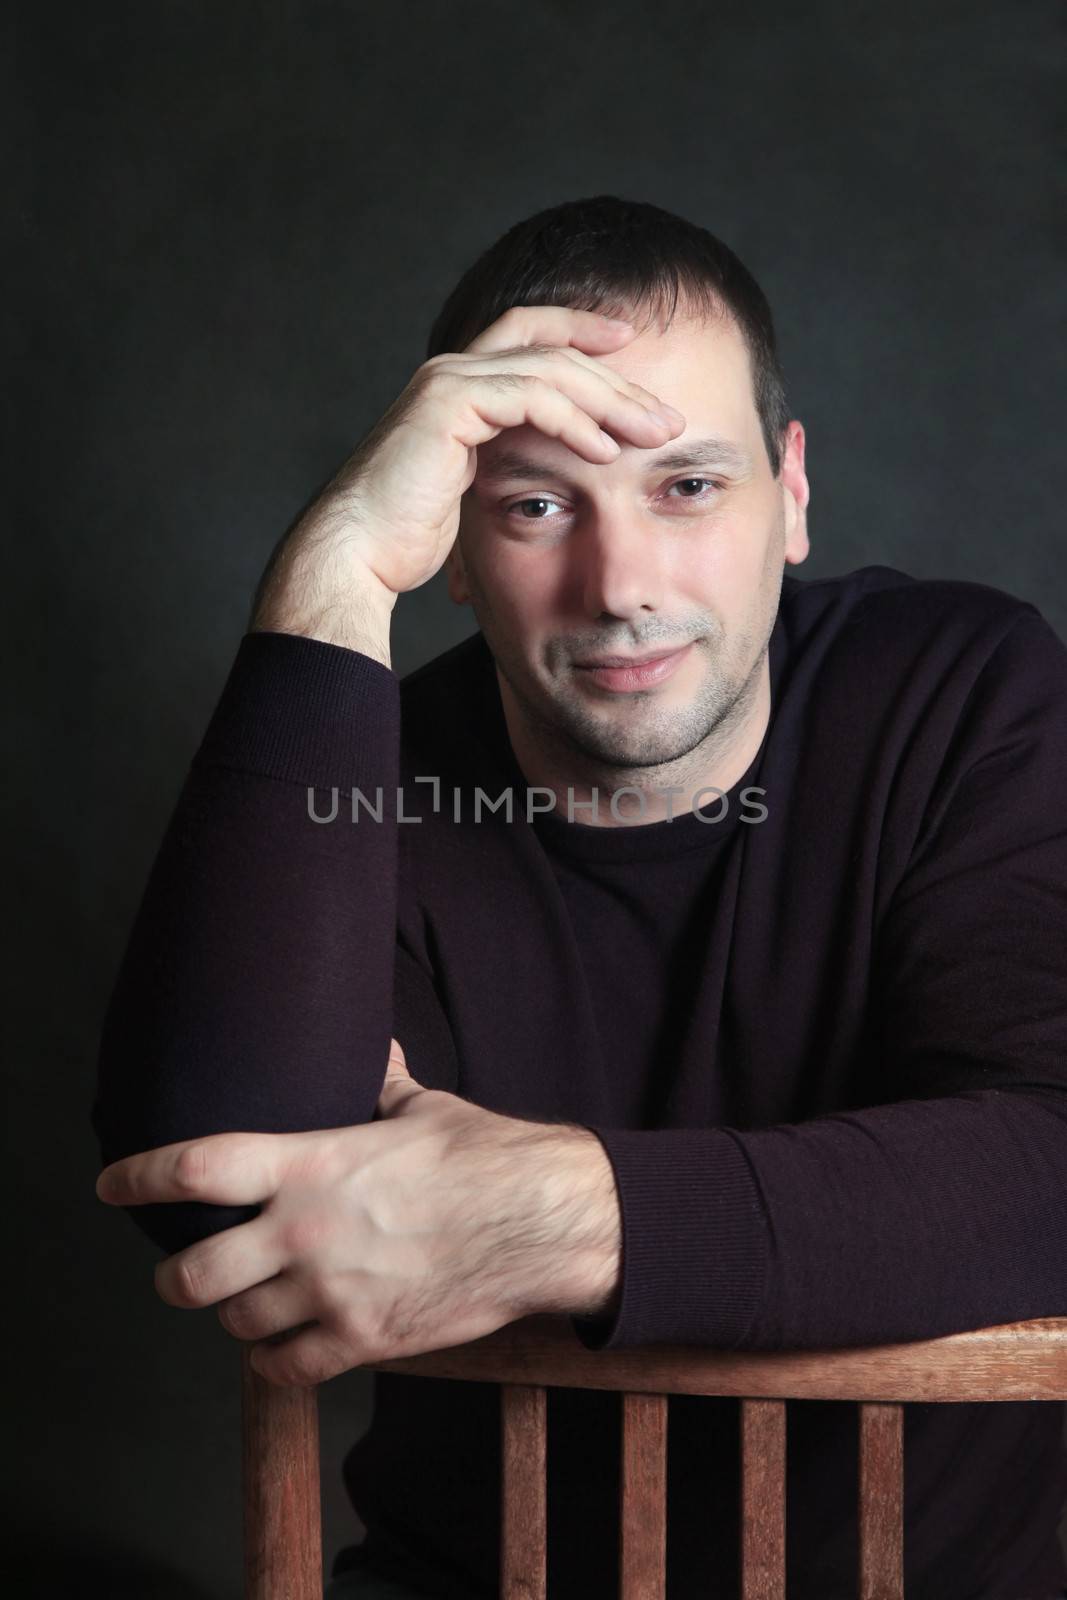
[[623, 751]]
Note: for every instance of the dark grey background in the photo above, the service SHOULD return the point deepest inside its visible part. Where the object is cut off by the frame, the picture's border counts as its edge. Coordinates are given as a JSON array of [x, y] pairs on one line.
[[237, 225]]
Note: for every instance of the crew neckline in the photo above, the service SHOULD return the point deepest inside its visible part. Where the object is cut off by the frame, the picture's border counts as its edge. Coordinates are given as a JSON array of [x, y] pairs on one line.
[[685, 832]]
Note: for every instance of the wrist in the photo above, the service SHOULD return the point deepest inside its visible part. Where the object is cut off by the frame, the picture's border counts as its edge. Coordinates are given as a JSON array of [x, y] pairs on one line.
[[356, 614], [576, 1265]]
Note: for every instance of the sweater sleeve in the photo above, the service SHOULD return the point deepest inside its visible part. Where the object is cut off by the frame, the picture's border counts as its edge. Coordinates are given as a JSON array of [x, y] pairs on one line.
[[257, 991], [945, 1208]]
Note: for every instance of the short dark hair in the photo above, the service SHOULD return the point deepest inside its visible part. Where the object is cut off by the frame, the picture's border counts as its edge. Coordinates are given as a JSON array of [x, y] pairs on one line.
[[607, 254]]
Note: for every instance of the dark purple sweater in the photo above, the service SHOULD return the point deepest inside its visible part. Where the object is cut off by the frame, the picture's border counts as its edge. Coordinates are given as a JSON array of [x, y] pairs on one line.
[[825, 1049]]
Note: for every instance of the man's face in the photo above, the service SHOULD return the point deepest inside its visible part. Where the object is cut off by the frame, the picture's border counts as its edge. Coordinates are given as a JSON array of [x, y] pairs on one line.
[[564, 560]]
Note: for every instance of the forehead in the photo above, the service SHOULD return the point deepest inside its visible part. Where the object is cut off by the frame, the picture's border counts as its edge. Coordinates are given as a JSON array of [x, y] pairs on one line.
[[693, 355], [699, 366]]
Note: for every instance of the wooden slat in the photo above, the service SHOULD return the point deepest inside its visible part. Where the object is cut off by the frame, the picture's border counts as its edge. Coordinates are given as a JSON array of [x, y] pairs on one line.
[[1016, 1361], [763, 1499], [523, 1496], [881, 1502], [282, 1504], [643, 1498]]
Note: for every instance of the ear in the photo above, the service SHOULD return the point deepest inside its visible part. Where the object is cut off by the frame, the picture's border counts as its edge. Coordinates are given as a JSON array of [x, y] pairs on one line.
[[457, 576], [796, 494]]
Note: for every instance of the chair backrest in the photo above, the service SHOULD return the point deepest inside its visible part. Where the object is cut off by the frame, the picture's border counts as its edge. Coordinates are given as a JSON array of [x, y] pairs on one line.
[[1016, 1361]]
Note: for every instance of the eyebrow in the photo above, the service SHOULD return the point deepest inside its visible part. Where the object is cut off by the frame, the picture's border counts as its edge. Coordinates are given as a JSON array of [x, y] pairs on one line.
[[716, 453]]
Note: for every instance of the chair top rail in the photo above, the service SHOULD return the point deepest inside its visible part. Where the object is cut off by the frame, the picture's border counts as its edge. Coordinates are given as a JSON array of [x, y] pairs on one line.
[[1012, 1361]]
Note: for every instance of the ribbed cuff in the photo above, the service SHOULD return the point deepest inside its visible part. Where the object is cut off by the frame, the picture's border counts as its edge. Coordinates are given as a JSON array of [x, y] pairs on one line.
[[307, 711], [695, 1242]]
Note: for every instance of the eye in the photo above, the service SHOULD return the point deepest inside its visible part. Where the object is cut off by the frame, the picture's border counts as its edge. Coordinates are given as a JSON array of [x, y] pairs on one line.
[[514, 509], [532, 500], [682, 481]]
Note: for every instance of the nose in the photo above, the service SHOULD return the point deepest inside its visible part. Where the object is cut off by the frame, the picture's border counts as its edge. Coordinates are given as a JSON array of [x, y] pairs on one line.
[[620, 564]]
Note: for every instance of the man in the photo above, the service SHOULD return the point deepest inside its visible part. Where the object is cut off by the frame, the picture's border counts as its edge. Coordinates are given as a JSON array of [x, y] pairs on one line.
[[714, 939]]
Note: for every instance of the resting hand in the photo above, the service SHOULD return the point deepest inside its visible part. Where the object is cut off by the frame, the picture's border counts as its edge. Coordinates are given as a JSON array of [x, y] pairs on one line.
[[431, 1226]]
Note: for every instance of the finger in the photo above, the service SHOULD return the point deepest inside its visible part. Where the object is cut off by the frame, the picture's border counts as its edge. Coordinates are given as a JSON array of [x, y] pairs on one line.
[[512, 402], [635, 391], [588, 330], [533, 358], [619, 406], [329, 1348], [311, 1356], [222, 1169], [398, 1085], [397, 1060], [223, 1265], [269, 1310]]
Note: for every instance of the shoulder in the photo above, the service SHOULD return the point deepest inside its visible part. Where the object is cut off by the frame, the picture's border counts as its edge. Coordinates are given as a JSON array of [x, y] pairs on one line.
[[882, 620], [917, 676]]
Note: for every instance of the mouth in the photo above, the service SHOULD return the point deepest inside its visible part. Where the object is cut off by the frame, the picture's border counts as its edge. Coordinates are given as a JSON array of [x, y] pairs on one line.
[[627, 673]]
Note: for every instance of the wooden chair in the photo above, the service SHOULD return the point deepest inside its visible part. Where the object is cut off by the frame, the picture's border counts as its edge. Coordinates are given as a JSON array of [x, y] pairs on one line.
[[1016, 1361]]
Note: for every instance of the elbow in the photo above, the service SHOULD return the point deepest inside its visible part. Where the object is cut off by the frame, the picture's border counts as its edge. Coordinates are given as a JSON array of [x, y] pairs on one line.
[[123, 1128]]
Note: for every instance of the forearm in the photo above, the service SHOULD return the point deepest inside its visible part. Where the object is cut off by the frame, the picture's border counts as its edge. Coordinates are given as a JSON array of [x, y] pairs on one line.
[[256, 989], [891, 1223]]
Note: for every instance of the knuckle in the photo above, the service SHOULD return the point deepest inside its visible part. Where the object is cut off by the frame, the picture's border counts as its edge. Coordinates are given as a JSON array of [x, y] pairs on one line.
[[332, 1304], [190, 1169], [235, 1318], [132, 1179], [529, 381], [441, 371], [349, 1327], [437, 384], [551, 352], [302, 1235], [510, 382], [189, 1281], [352, 1337], [294, 1372]]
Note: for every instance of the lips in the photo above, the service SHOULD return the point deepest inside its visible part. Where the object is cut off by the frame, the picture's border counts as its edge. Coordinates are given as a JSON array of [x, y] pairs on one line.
[[628, 674], [627, 661]]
